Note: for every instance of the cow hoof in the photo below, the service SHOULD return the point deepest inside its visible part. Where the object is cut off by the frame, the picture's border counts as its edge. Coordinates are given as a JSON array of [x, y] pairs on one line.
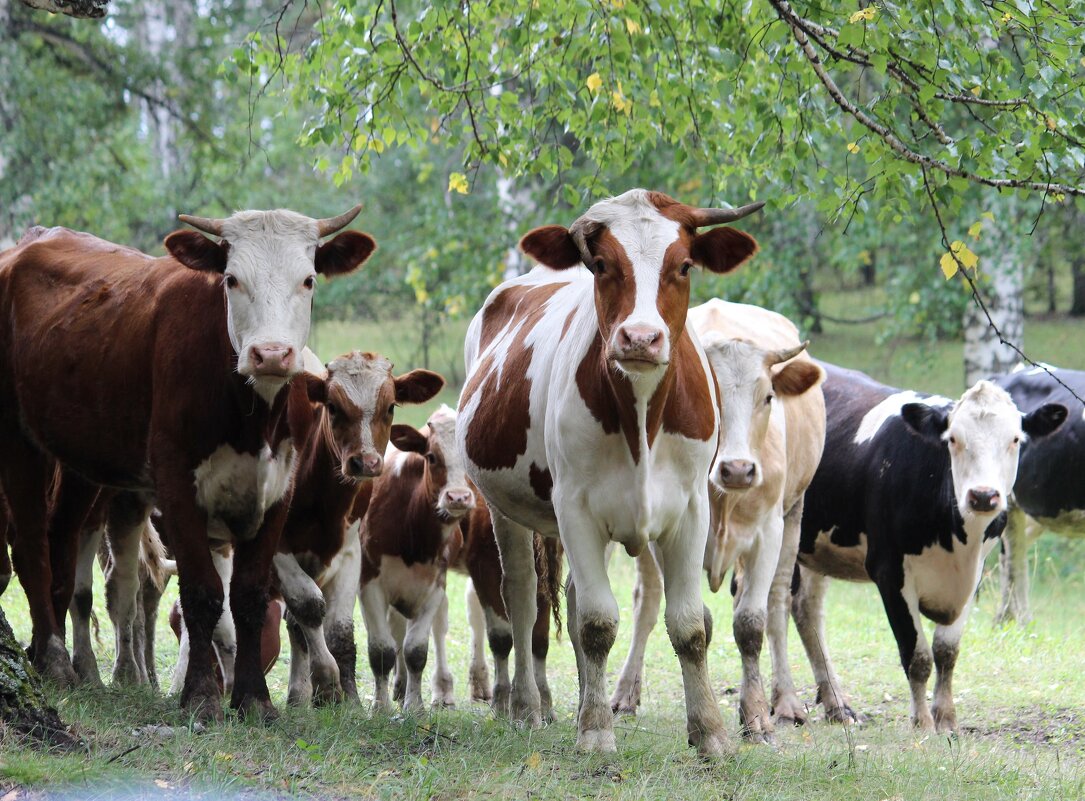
[[596, 741], [55, 665], [844, 715], [525, 710], [945, 722], [89, 676], [126, 676], [480, 686], [203, 708], [924, 723], [789, 711], [259, 710], [327, 696], [443, 703], [711, 744]]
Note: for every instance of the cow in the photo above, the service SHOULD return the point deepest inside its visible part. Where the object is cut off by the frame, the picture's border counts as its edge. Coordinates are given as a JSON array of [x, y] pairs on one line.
[[589, 413], [477, 556], [414, 511], [772, 433], [911, 494], [319, 561], [1050, 489], [168, 380]]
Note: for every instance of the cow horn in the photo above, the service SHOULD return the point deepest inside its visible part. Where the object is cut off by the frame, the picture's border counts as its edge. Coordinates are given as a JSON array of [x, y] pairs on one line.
[[205, 224], [784, 354], [580, 231], [702, 217], [329, 225]]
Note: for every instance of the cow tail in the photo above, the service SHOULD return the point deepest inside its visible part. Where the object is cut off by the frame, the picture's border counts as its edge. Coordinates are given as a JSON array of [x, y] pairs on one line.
[[152, 556], [548, 558]]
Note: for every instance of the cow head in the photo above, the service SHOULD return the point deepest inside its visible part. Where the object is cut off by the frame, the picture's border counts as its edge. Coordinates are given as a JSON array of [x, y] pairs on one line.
[[445, 476], [749, 384], [269, 261], [983, 433], [641, 246], [360, 395]]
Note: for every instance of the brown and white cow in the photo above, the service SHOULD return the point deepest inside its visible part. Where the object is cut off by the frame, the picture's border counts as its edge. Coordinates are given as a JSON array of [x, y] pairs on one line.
[[168, 380], [589, 412], [415, 510], [319, 560], [772, 434]]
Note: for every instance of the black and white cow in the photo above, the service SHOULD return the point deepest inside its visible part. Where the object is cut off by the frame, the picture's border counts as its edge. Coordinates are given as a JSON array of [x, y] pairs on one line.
[[911, 494], [1050, 489]]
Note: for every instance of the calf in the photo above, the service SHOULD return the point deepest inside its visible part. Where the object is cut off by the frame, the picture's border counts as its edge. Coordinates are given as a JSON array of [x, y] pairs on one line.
[[319, 560], [1050, 488], [772, 434], [588, 413], [168, 380], [415, 509], [910, 494]]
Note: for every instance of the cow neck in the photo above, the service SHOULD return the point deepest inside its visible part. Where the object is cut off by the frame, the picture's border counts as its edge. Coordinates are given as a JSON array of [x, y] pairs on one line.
[[404, 515]]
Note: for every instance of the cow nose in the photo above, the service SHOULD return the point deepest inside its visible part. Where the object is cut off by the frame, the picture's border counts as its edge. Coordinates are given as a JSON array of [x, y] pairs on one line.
[[459, 498], [737, 473], [983, 499], [365, 466], [273, 359], [639, 341]]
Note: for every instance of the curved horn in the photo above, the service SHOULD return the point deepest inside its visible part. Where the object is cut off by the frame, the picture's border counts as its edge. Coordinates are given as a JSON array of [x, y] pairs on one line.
[[329, 225], [783, 355], [580, 231], [702, 217], [205, 224]]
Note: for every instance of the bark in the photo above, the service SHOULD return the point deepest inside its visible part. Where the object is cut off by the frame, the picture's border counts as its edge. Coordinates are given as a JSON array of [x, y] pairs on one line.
[[23, 708], [1077, 269], [83, 9], [1001, 268]]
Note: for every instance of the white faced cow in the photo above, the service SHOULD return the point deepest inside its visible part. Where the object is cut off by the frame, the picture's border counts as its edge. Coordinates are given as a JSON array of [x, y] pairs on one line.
[[589, 413], [910, 494]]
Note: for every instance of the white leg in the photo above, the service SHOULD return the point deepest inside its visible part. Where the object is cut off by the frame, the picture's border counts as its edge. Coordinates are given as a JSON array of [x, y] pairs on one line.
[[787, 709], [751, 610], [306, 605], [125, 528], [398, 624], [224, 636], [300, 686], [682, 555], [381, 644], [519, 585], [810, 621], [181, 670], [340, 591], [1013, 561], [83, 660], [647, 594], [478, 672], [416, 647], [442, 676]]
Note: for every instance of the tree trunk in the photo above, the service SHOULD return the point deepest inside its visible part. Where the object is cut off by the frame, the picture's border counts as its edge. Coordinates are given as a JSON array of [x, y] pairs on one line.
[[1002, 286], [84, 9], [1077, 270], [22, 705]]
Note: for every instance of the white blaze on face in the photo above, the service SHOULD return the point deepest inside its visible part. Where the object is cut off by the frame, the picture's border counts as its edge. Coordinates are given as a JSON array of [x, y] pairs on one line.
[[747, 399], [361, 380], [455, 497], [270, 277], [984, 436]]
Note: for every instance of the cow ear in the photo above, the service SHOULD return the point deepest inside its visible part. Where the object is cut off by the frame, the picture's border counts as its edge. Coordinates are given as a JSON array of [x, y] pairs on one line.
[[408, 439], [722, 249], [418, 386], [197, 252], [344, 253], [1045, 420], [551, 245], [316, 387], [797, 377], [927, 421]]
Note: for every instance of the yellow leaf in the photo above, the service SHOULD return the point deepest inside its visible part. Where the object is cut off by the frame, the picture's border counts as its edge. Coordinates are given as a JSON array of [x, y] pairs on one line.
[[948, 265], [976, 90], [990, 215], [159, 783], [632, 26], [1006, 17], [1082, 61], [501, 158], [863, 15], [913, 298], [1058, 197], [975, 228], [534, 761], [621, 102], [457, 182], [1051, 123], [853, 147], [377, 144], [968, 259], [653, 99], [594, 82]]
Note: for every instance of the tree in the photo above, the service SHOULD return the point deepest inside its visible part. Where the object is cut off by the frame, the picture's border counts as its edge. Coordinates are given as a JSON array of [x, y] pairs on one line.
[[22, 705]]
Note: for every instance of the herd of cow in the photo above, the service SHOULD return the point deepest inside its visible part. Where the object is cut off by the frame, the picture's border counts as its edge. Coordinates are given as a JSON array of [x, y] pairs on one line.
[[141, 395]]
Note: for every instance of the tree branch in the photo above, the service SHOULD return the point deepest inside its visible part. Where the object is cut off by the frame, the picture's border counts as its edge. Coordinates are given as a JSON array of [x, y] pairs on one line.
[[81, 9]]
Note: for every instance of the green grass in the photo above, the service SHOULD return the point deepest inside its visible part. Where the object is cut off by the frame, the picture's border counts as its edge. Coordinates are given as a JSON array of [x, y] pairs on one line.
[[1021, 704]]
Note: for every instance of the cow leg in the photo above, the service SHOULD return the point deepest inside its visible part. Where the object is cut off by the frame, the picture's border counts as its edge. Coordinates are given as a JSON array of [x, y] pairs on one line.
[[902, 608], [1013, 561], [300, 685], [810, 621], [787, 709], [647, 593], [682, 557], [381, 644], [499, 635], [519, 586], [74, 499], [152, 583], [26, 477], [224, 635], [398, 624], [751, 609], [83, 659], [478, 673], [127, 516], [415, 648], [340, 592], [540, 647], [441, 684], [307, 607]]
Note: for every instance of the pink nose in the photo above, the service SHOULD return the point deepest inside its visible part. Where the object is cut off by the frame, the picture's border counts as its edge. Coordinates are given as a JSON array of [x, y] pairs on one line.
[[737, 473], [983, 499], [365, 466], [459, 498], [639, 342], [273, 359]]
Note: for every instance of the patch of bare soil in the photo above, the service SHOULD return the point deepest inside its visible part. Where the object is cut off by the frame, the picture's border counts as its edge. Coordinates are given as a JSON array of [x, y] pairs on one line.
[[1036, 726]]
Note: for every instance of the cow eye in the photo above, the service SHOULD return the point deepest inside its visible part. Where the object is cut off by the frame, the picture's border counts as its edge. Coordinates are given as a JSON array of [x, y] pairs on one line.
[[333, 410], [1016, 440], [231, 282], [684, 270], [599, 266], [952, 440], [391, 410], [768, 399], [309, 282], [431, 457]]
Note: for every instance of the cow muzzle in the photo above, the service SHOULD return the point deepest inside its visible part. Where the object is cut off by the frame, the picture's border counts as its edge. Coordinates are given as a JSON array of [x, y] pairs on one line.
[[736, 474], [984, 499], [456, 502], [272, 360], [638, 348], [367, 465]]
